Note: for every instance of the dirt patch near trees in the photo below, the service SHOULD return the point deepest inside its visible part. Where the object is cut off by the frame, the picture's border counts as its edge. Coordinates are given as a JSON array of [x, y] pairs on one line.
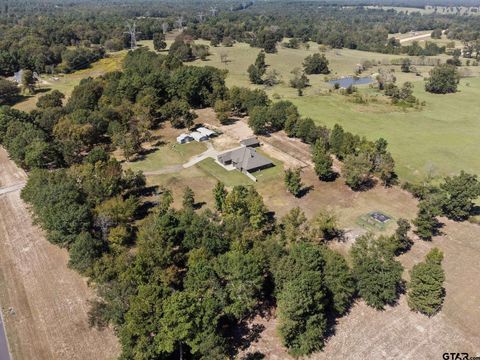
[[397, 332], [364, 333], [43, 302]]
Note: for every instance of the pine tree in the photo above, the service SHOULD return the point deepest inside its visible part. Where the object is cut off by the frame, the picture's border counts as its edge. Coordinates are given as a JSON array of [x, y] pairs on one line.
[[336, 140], [255, 75], [260, 63], [401, 236], [188, 198], [426, 221], [323, 162], [338, 280], [425, 290], [377, 273], [258, 69], [159, 41], [301, 312], [293, 181], [219, 194]]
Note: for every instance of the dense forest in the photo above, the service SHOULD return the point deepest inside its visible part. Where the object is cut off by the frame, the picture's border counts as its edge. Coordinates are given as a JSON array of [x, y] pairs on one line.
[[50, 36]]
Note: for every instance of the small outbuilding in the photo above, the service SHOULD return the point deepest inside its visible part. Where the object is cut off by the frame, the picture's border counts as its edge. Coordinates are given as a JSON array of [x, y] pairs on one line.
[[204, 131], [198, 136], [184, 138], [380, 217], [250, 142]]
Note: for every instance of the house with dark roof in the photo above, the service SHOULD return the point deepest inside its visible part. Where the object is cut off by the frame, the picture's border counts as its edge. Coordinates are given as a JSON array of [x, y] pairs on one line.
[[245, 159]]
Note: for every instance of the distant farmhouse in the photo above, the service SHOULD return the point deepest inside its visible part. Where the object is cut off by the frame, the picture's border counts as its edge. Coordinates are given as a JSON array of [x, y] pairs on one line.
[[245, 158], [200, 134]]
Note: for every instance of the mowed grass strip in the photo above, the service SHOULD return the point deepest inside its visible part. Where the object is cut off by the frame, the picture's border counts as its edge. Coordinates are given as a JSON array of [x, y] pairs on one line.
[[167, 155], [229, 178]]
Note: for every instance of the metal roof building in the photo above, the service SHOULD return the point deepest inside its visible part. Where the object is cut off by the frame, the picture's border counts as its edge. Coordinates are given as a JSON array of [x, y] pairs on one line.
[[205, 131], [184, 138], [198, 136]]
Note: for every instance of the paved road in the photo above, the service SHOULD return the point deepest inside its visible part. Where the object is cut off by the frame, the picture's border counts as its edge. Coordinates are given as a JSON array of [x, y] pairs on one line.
[[4, 352]]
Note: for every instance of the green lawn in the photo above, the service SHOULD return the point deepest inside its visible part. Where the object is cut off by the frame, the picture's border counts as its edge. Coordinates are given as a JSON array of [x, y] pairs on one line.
[[229, 178], [442, 138], [268, 177], [167, 155]]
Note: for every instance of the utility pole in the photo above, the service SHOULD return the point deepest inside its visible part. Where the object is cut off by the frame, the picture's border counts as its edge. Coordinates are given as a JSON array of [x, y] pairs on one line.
[[179, 22], [165, 27], [132, 32]]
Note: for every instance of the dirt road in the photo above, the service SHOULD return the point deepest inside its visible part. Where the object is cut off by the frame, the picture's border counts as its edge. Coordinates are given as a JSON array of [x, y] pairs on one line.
[[43, 302], [416, 37]]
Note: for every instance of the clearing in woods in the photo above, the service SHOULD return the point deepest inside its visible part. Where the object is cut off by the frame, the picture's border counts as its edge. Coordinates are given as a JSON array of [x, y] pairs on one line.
[[438, 140], [44, 304], [65, 83]]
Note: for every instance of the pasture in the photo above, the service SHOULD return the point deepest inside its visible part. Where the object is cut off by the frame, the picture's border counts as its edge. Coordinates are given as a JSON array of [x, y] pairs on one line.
[[440, 139], [65, 83]]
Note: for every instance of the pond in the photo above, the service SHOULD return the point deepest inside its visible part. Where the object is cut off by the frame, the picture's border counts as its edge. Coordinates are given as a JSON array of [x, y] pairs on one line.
[[350, 80]]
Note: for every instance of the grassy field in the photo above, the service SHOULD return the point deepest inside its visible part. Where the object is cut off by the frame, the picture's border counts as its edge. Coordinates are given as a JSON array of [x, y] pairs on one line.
[[166, 155], [229, 178], [66, 82], [440, 139]]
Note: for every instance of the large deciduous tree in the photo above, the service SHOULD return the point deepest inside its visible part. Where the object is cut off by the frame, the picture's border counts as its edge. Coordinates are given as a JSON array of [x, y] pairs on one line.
[[460, 192], [377, 273], [443, 79], [316, 64], [8, 91], [357, 170]]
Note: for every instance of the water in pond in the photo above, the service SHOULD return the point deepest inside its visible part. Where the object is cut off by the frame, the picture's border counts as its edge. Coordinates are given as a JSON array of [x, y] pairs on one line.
[[350, 80]]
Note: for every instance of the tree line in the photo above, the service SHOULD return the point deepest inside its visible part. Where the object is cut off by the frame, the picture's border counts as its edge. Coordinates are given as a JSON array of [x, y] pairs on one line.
[[118, 109], [39, 36], [362, 159]]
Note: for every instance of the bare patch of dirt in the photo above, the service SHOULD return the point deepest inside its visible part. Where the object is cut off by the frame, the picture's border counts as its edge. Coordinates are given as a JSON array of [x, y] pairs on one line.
[[44, 303], [397, 332]]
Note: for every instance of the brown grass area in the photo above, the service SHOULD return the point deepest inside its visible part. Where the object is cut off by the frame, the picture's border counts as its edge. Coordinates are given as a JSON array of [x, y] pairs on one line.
[[397, 332], [365, 333], [44, 303]]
